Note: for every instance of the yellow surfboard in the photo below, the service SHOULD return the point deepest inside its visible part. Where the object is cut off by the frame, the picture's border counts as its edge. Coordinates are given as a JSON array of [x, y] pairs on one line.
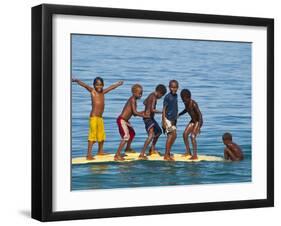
[[134, 157]]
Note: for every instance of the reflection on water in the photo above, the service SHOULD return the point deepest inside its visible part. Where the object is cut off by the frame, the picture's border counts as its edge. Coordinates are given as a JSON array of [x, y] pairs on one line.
[[219, 77]]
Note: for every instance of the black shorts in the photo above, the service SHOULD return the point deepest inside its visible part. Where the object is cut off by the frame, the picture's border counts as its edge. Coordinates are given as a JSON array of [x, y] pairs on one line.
[[151, 123]]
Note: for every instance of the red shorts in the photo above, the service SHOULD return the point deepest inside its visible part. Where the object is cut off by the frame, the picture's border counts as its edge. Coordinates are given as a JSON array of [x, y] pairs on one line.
[[126, 131]]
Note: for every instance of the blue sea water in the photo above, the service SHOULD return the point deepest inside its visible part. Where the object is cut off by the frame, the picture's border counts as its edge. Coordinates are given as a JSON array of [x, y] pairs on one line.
[[219, 77]]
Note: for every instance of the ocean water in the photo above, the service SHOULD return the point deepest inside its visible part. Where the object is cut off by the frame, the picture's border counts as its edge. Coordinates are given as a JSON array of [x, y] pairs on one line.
[[219, 77]]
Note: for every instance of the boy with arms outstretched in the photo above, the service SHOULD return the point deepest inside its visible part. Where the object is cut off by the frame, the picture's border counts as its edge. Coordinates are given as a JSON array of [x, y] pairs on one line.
[[195, 124], [169, 117], [151, 126], [96, 125], [126, 130], [232, 151]]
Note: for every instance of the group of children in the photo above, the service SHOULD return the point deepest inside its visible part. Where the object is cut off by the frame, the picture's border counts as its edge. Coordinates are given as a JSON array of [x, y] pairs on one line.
[[169, 121]]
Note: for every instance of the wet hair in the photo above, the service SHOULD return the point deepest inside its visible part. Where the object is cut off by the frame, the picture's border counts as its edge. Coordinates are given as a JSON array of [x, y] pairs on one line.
[[135, 87], [185, 93], [174, 81], [161, 89], [227, 136], [98, 79]]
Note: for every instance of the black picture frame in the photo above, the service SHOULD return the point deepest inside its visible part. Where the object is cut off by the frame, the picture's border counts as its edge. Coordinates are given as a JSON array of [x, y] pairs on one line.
[[42, 107]]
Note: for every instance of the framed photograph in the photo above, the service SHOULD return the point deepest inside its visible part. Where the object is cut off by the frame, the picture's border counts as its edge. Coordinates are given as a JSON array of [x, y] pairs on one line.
[[146, 112]]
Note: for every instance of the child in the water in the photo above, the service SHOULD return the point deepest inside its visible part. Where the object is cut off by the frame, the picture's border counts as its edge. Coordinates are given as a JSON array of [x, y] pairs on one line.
[[232, 151], [96, 125], [126, 130], [152, 128], [194, 126]]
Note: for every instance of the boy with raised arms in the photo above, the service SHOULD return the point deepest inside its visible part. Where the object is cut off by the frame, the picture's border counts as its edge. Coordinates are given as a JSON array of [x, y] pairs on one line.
[[96, 124]]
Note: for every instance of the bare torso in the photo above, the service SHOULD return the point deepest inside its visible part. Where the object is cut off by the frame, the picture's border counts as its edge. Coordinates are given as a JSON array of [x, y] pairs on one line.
[[193, 110], [128, 109], [236, 150], [150, 104], [97, 103]]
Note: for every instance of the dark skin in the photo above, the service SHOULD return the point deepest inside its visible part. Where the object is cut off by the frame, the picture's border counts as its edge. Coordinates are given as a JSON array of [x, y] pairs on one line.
[[194, 126], [171, 137], [129, 110], [150, 110], [97, 96], [232, 151]]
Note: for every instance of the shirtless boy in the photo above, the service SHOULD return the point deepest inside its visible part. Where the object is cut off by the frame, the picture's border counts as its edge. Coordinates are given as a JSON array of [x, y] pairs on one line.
[[195, 124], [96, 125], [169, 117], [151, 126], [232, 151], [126, 130]]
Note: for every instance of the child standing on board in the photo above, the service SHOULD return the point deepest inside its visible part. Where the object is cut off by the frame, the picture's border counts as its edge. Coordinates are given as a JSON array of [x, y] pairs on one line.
[[169, 117], [195, 124], [126, 130], [232, 151], [152, 128], [96, 125]]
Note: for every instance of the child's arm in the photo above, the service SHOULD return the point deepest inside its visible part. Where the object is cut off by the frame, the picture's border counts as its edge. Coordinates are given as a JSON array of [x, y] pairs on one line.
[[152, 109], [89, 88], [157, 111], [113, 86], [164, 125], [226, 156], [182, 113], [231, 154], [134, 110]]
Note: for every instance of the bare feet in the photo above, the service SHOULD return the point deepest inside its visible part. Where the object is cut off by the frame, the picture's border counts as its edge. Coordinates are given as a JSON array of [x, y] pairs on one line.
[[153, 152], [168, 158], [89, 157], [130, 151], [118, 158], [186, 154], [142, 157], [171, 158], [194, 157], [103, 153]]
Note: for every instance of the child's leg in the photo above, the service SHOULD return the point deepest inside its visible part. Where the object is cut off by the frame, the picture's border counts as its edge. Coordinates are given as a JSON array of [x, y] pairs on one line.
[[186, 132], [91, 136], [100, 150], [118, 153], [157, 133], [146, 143], [131, 137], [90, 146], [193, 140], [101, 136], [152, 149], [170, 140], [128, 147]]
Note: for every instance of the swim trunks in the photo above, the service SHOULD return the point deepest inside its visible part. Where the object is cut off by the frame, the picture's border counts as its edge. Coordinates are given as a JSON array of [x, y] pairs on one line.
[[126, 131], [151, 123], [171, 125], [96, 129]]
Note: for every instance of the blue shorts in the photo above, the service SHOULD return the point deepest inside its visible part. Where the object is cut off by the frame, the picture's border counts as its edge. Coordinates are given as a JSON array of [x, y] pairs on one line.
[[151, 123]]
